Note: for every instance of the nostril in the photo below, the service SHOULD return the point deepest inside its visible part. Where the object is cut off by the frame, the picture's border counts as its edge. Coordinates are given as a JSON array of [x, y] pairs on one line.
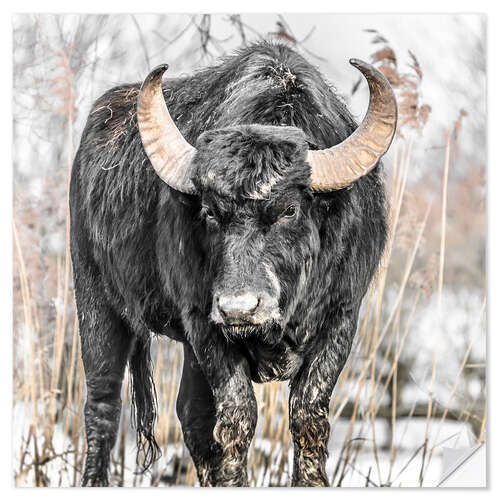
[[257, 305], [220, 307]]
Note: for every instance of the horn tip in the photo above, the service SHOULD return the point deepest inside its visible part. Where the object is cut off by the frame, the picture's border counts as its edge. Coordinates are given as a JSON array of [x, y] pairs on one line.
[[156, 73], [161, 67], [358, 63]]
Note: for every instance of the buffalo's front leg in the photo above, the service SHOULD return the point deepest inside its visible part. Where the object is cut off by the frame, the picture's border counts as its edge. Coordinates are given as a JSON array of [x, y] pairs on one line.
[[234, 411], [310, 394], [236, 417]]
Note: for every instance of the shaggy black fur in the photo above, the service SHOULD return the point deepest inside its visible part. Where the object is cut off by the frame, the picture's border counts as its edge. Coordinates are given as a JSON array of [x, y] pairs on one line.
[[147, 259]]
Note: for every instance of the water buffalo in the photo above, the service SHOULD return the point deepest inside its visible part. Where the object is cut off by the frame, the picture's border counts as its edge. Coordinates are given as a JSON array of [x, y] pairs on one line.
[[240, 211]]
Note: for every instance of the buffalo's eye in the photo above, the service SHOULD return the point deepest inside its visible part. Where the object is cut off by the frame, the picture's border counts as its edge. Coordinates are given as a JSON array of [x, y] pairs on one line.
[[208, 212], [289, 213]]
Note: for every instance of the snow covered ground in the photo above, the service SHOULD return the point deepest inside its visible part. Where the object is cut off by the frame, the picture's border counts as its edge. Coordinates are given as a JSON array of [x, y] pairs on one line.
[[369, 467]]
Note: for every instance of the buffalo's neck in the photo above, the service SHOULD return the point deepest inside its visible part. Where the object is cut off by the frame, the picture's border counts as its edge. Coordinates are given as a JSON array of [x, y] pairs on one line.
[[276, 362]]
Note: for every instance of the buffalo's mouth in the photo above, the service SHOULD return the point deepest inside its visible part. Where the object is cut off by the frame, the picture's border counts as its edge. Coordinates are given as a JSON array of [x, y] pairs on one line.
[[238, 331], [269, 332]]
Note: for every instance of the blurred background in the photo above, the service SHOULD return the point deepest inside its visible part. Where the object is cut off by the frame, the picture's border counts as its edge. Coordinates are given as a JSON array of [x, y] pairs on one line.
[[415, 382]]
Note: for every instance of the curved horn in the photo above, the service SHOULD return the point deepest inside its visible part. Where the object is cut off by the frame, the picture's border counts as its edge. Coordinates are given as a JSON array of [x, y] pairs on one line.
[[341, 165], [168, 151]]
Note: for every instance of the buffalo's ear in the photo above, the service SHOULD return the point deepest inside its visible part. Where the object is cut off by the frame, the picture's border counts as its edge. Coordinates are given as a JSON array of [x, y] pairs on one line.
[[290, 147], [312, 144], [292, 140], [205, 138], [294, 148]]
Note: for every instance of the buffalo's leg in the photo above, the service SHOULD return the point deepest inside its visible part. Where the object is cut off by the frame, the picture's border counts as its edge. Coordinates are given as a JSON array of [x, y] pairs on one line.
[[105, 347], [227, 373], [196, 411], [310, 394], [235, 421]]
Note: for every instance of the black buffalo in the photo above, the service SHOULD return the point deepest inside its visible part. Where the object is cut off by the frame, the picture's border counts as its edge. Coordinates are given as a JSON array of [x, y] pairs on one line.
[[246, 221]]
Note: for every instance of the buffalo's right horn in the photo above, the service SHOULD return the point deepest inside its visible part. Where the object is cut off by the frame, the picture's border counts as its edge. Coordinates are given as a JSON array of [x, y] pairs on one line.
[[167, 150]]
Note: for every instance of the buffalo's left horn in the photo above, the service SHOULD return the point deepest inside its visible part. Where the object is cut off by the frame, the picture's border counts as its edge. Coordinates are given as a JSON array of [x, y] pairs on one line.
[[168, 151], [345, 163]]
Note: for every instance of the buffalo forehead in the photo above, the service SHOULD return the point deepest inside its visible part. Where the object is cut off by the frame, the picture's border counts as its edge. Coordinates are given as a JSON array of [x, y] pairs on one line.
[[249, 161]]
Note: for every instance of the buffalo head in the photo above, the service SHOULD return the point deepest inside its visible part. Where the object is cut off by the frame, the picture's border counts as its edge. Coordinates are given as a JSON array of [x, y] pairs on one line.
[[256, 184]]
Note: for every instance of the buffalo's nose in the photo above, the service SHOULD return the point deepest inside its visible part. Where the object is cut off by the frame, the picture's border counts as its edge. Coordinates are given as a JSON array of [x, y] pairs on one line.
[[238, 307]]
